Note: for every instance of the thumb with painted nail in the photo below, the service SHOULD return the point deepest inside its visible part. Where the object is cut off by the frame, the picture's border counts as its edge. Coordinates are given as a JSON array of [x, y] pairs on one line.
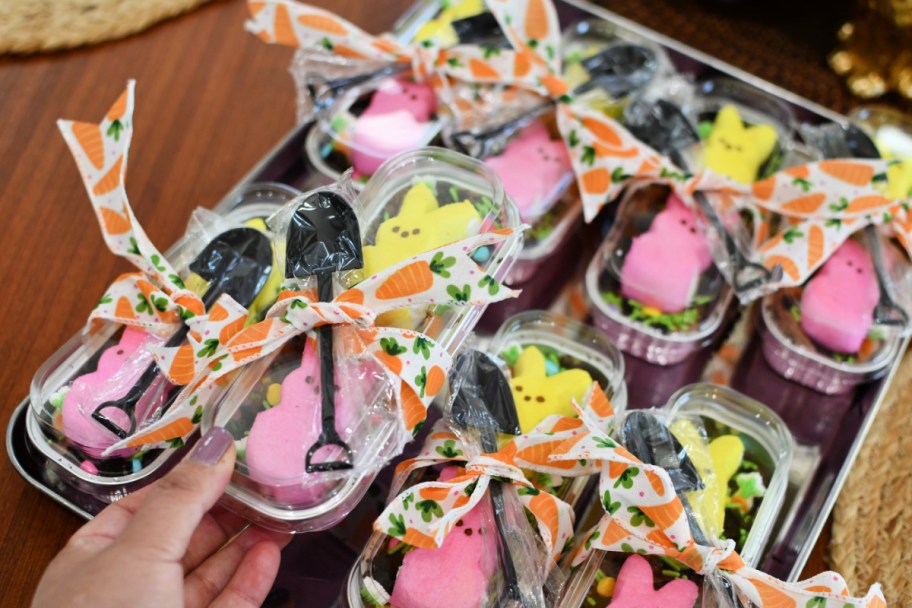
[[168, 544]]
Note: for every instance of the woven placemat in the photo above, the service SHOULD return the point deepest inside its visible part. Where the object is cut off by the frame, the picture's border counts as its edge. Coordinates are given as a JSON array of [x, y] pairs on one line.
[[29, 26], [874, 512]]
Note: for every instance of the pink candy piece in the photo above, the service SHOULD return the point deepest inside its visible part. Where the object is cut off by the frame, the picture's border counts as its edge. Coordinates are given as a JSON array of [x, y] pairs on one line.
[[395, 94], [119, 367], [531, 168], [397, 119], [634, 588], [281, 436], [664, 264], [837, 304], [454, 575]]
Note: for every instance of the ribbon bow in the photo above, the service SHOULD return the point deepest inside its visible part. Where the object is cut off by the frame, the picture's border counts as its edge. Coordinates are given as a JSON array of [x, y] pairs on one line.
[[643, 514], [313, 29], [834, 198], [417, 365], [532, 451], [825, 203], [154, 298], [424, 514]]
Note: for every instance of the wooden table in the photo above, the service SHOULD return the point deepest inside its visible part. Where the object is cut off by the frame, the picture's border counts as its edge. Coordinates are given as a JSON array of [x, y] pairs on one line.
[[211, 101]]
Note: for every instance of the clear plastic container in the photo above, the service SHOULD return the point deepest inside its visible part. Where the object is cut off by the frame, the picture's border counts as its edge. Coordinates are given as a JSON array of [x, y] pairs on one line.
[[793, 353], [358, 129], [562, 345], [548, 260], [768, 445], [304, 502], [586, 39], [719, 411], [111, 478], [666, 305]]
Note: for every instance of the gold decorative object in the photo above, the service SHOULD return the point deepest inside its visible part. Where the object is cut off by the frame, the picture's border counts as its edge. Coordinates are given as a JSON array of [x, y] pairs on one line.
[[875, 50]]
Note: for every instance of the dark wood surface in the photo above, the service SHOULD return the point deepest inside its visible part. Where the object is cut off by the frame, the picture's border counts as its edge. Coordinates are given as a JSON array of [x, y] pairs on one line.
[[211, 101]]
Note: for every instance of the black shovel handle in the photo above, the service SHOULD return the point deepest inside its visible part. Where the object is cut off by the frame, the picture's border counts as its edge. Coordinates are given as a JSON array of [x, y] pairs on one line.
[[328, 434], [127, 403]]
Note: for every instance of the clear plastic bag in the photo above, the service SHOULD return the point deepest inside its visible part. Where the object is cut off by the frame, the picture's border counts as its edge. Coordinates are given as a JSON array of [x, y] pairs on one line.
[[417, 202], [102, 367]]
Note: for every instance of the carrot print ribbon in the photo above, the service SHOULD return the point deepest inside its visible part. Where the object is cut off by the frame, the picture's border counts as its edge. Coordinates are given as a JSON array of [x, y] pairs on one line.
[[532, 451], [424, 514], [154, 298], [313, 29], [644, 515], [824, 203], [834, 198], [219, 343]]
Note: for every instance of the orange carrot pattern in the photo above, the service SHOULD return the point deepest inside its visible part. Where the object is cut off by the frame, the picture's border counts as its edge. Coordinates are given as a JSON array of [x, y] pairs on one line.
[[805, 204], [90, 140], [283, 32], [482, 71], [324, 23], [183, 368], [854, 173], [815, 246], [178, 428], [435, 379], [110, 181], [412, 279], [536, 20]]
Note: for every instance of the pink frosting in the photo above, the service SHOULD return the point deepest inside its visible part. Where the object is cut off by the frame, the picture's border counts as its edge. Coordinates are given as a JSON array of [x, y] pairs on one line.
[[281, 436], [634, 588], [119, 367], [454, 575], [664, 264], [837, 304], [531, 167], [396, 120]]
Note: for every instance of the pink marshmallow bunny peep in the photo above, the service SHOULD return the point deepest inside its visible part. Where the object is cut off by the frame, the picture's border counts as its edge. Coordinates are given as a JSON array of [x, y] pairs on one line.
[[119, 368], [281, 436], [532, 167], [664, 264], [838, 303], [454, 575], [397, 119]]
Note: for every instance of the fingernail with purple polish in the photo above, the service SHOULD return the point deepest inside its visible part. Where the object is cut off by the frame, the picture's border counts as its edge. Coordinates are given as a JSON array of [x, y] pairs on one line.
[[212, 446]]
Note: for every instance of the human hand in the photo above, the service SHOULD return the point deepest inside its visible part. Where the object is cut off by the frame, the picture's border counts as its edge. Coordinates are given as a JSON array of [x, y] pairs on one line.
[[167, 546]]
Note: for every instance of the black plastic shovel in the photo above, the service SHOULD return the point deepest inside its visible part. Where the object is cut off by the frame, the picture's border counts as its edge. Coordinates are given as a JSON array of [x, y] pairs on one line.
[[237, 262], [668, 131], [618, 70], [485, 402], [323, 238], [848, 141], [653, 443]]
